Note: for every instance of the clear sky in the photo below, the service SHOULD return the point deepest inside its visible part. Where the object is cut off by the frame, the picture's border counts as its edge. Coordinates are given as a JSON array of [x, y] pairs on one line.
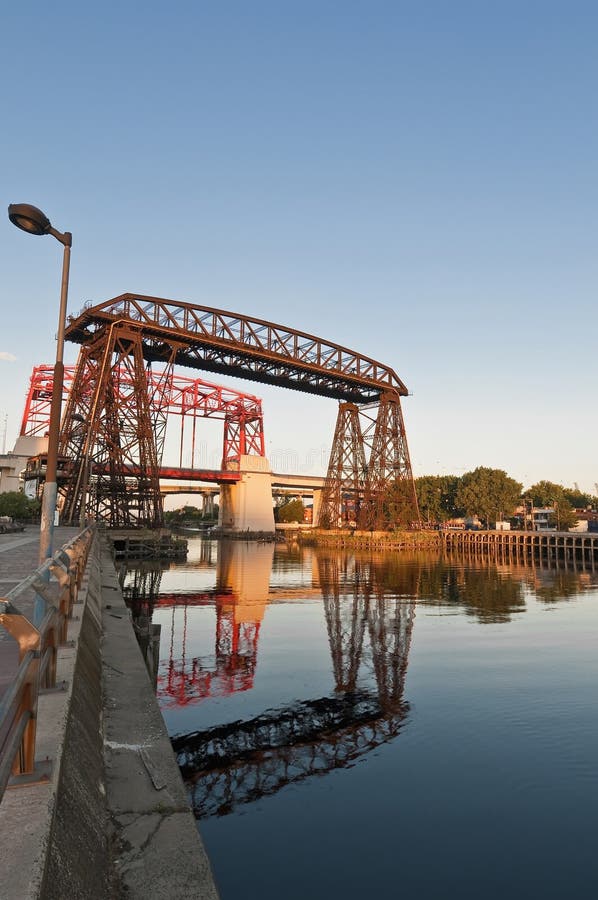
[[415, 180]]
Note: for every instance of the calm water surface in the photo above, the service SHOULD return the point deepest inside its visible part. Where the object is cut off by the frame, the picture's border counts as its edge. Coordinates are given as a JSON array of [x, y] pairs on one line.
[[379, 726]]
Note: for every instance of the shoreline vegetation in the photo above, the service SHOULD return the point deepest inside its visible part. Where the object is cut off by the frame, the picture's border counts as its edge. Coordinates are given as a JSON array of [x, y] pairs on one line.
[[345, 538]]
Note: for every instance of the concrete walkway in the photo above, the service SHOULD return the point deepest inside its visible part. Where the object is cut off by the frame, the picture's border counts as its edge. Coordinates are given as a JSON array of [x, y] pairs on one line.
[[19, 557], [112, 820]]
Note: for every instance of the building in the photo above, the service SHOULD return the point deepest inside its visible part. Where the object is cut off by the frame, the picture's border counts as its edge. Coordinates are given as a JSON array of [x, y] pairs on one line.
[[12, 464]]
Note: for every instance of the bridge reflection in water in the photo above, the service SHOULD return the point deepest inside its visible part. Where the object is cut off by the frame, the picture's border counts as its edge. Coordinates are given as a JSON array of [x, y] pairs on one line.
[[369, 634], [434, 741], [368, 605]]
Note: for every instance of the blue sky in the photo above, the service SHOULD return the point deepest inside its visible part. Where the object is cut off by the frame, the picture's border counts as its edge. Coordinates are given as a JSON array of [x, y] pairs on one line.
[[417, 181]]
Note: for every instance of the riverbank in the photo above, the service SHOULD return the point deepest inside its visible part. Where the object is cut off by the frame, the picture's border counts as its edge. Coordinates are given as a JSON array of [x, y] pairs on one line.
[[352, 539], [508, 545]]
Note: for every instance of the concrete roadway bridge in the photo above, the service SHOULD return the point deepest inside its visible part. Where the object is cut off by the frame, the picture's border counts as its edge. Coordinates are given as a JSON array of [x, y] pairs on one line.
[[249, 518]]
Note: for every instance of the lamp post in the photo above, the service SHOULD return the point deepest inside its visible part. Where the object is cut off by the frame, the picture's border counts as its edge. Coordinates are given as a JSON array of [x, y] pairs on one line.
[[33, 220]]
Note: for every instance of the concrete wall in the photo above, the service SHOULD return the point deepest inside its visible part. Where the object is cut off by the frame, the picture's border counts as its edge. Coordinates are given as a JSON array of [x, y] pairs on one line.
[[247, 505], [112, 820], [57, 829], [77, 862]]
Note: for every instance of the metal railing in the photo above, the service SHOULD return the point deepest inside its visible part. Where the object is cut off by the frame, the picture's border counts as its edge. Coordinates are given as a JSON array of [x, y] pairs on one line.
[[38, 649]]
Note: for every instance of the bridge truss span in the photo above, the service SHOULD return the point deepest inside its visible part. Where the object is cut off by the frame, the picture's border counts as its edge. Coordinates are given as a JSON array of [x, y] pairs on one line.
[[111, 461], [238, 345], [369, 455]]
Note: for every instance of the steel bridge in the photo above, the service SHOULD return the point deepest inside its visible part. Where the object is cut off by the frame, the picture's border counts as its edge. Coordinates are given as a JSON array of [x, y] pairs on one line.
[[116, 410]]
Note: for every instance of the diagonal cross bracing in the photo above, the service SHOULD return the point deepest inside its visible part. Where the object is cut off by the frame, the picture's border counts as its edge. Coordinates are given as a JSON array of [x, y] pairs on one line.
[[183, 396], [367, 462], [237, 345]]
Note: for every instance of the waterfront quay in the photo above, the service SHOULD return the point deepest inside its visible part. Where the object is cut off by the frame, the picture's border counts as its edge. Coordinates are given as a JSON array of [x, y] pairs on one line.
[[549, 545], [557, 546], [286, 687], [104, 814]]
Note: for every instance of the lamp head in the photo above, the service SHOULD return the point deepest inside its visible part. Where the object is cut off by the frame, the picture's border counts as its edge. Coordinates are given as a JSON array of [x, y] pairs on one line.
[[29, 218]]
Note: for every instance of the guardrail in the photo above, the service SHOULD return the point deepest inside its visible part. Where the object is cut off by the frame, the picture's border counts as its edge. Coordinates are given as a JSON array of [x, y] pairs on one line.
[[38, 648]]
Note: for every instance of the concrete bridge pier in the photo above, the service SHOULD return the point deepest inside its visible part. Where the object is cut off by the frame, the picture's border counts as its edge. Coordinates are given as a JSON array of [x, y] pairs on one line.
[[247, 505], [316, 505], [207, 503]]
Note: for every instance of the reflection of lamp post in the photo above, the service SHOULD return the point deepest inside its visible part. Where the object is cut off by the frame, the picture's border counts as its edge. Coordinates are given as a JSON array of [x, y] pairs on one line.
[[33, 220]]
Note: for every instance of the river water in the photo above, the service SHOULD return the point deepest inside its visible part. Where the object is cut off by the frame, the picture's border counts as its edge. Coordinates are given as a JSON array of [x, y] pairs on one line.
[[383, 725]]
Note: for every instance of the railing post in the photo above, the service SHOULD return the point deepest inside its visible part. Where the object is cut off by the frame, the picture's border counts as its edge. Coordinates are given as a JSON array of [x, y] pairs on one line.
[[38, 649], [28, 639]]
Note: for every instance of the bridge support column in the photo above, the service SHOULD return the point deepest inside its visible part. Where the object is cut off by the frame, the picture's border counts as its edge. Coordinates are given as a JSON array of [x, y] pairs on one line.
[[247, 505], [316, 505], [207, 504]]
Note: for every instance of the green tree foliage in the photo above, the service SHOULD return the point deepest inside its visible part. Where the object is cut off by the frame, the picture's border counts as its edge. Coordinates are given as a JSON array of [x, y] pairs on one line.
[[289, 512], [488, 493], [436, 496], [578, 499], [544, 493], [398, 508], [484, 593], [564, 516], [17, 505], [191, 516], [549, 494]]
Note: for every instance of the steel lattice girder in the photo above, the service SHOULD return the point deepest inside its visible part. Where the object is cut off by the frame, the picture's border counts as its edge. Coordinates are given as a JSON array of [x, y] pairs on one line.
[[388, 462], [107, 428], [369, 454], [347, 478], [233, 344], [221, 341], [173, 393]]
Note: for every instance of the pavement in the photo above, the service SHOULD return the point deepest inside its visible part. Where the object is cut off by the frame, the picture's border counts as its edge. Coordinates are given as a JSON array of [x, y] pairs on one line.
[[109, 820], [19, 557]]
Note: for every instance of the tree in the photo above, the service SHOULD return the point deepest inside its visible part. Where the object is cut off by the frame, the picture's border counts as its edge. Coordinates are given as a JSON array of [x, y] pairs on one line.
[[436, 496], [185, 515], [544, 493], [554, 496], [578, 499], [290, 512], [488, 493], [18, 506], [398, 508]]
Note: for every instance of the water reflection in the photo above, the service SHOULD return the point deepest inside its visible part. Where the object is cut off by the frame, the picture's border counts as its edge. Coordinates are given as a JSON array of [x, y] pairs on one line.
[[368, 607], [240, 762], [489, 593]]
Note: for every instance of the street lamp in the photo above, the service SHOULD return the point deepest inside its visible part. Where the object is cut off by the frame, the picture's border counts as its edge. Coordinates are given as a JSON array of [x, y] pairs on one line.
[[34, 221]]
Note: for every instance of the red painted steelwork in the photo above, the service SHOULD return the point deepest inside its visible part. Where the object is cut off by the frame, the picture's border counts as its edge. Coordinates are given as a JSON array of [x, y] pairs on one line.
[[113, 455], [229, 670], [213, 476], [242, 413]]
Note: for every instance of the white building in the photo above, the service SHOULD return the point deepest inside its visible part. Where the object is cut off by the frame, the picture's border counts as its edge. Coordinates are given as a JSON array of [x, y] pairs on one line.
[[13, 463]]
